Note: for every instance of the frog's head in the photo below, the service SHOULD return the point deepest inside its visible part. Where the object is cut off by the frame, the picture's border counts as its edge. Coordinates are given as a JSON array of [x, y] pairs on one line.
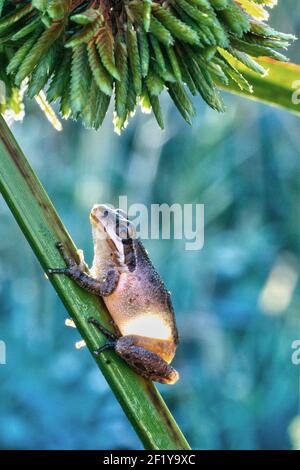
[[113, 232]]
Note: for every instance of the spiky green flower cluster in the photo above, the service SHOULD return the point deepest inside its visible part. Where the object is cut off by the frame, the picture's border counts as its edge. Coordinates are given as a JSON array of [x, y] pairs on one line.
[[83, 52]]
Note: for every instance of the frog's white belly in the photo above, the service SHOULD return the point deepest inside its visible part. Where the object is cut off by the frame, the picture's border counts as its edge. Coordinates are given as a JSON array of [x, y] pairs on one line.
[[134, 311]]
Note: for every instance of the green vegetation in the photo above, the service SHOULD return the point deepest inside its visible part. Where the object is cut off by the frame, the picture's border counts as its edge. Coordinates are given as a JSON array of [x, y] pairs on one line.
[[84, 52]]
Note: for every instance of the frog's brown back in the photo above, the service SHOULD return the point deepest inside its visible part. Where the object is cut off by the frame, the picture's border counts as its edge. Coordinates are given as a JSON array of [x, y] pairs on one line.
[[141, 304]]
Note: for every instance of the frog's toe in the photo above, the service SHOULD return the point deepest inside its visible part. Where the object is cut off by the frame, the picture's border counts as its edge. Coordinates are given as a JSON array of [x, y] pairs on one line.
[[105, 347]]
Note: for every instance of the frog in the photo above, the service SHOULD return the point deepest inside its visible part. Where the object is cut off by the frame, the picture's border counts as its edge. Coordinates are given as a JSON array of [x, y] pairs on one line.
[[139, 304]]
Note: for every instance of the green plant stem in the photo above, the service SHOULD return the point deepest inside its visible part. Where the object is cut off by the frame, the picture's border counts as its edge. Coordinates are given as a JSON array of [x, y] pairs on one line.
[[42, 227]]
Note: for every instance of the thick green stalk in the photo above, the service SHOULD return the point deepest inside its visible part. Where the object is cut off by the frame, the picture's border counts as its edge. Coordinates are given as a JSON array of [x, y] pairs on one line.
[[42, 227]]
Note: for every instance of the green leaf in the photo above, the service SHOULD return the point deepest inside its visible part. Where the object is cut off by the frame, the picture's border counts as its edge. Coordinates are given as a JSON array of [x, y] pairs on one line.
[[87, 17], [90, 110], [235, 19], [146, 14], [131, 96], [144, 52], [14, 16], [61, 78], [101, 76], [219, 4], [65, 102], [105, 44], [134, 59], [155, 85], [58, 9], [174, 63], [79, 82], [27, 29], [160, 32], [1, 6], [177, 28], [121, 86], [276, 88], [144, 101], [84, 35], [257, 50], [21, 53], [159, 56], [156, 110], [182, 101], [43, 71], [208, 21], [203, 80], [102, 107], [40, 4], [43, 44], [247, 61]]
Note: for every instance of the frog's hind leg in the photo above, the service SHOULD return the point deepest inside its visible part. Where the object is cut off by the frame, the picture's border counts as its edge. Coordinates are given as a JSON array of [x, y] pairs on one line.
[[133, 349], [146, 363], [110, 336]]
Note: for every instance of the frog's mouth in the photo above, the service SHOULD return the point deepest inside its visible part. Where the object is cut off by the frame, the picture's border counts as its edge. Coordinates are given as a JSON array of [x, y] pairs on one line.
[[114, 245], [94, 220], [109, 232]]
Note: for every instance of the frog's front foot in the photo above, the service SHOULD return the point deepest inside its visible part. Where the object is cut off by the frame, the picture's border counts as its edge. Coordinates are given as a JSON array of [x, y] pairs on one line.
[[70, 261], [76, 272]]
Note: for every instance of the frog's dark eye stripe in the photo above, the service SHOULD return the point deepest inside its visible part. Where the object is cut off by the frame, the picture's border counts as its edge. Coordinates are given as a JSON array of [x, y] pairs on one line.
[[122, 226], [129, 253], [117, 222], [126, 241], [119, 225]]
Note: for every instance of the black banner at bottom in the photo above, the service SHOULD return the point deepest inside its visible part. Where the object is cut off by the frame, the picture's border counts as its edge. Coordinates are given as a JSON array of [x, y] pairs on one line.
[[136, 459]]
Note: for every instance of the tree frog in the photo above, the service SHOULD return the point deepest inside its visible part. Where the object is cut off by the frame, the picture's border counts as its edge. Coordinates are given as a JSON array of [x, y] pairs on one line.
[[135, 295]]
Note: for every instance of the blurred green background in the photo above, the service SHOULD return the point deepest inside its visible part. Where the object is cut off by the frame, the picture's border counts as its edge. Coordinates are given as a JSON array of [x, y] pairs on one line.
[[236, 300]]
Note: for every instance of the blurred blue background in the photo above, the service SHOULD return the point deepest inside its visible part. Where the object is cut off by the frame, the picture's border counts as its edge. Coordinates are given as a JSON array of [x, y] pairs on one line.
[[236, 300]]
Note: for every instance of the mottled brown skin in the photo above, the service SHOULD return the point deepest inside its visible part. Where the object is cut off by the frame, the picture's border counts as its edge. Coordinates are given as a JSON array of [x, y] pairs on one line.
[[134, 293]]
